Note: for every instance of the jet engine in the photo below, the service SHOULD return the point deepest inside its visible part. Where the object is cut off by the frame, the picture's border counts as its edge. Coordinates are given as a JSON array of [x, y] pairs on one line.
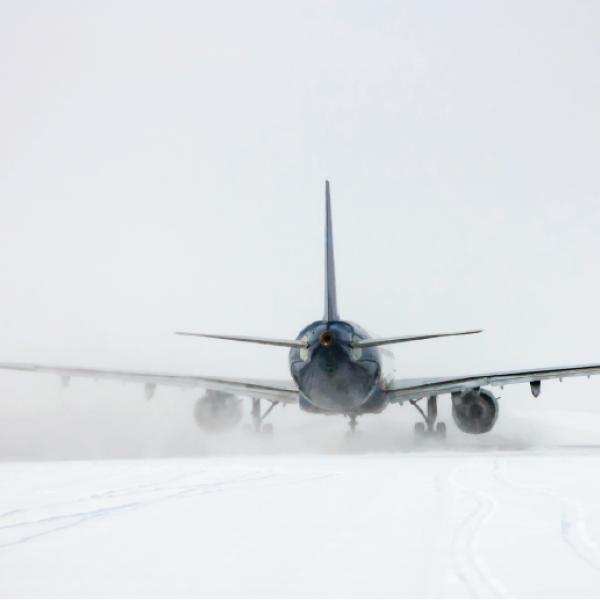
[[474, 411], [218, 411]]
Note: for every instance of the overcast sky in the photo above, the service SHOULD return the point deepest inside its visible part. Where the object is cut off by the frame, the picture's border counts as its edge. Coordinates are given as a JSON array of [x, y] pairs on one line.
[[162, 167]]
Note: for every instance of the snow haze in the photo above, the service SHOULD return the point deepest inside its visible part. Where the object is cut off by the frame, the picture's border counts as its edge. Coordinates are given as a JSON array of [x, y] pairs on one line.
[[162, 168]]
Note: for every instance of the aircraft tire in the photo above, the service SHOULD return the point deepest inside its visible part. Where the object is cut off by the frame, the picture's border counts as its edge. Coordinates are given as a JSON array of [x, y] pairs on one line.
[[267, 429], [440, 430], [420, 429]]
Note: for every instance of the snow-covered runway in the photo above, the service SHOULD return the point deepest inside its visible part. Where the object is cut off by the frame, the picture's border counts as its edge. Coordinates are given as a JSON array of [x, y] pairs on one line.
[[420, 523]]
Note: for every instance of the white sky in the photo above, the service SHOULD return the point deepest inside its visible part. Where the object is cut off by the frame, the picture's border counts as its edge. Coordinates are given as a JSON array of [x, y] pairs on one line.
[[162, 168]]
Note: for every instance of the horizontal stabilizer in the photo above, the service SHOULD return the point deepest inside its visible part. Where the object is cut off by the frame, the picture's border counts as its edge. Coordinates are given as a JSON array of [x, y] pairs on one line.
[[252, 340], [409, 338]]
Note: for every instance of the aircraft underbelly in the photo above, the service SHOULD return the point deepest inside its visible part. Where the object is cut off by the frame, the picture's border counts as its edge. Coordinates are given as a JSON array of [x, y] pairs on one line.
[[338, 386]]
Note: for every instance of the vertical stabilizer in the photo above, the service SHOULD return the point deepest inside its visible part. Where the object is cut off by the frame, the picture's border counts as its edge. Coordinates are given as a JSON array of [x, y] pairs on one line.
[[331, 311]]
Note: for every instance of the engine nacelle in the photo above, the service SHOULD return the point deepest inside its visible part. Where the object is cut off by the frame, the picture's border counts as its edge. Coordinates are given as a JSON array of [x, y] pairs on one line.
[[474, 411], [218, 411]]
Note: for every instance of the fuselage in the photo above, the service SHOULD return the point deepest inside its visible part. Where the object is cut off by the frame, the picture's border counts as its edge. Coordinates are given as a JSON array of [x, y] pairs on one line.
[[334, 376]]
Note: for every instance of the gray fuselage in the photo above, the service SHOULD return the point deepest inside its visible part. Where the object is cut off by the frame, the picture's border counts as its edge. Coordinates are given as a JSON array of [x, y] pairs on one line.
[[332, 375]]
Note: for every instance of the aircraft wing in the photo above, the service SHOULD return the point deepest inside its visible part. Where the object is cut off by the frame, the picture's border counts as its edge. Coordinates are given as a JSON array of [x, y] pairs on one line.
[[279, 391], [413, 389]]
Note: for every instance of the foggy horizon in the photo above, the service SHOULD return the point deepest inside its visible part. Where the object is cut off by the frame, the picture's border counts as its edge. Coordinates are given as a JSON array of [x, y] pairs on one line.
[[163, 168]]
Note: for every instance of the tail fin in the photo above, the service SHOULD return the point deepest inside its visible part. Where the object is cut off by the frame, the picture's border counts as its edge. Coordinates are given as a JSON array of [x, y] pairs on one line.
[[331, 311]]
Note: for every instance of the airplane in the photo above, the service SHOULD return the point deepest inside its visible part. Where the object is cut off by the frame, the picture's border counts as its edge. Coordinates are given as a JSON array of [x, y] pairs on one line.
[[336, 368]]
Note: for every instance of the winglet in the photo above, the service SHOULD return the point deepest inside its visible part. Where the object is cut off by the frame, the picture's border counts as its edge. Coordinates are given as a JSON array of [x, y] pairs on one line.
[[331, 311]]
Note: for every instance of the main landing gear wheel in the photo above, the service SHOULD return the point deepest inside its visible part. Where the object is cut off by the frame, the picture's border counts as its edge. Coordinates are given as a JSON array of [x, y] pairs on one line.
[[258, 425], [420, 429], [440, 430], [428, 427], [352, 422]]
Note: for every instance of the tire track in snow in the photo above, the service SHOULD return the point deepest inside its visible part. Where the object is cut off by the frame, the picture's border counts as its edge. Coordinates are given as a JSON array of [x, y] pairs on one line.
[[573, 524], [68, 520], [9, 513], [106, 494], [468, 563], [434, 555]]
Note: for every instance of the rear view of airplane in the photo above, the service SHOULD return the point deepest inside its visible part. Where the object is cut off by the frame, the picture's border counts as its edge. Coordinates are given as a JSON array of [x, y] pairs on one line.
[[337, 368]]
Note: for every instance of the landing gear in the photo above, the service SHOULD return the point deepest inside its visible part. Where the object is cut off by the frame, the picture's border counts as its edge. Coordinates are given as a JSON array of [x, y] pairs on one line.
[[428, 427], [258, 425], [256, 420], [352, 423], [420, 428]]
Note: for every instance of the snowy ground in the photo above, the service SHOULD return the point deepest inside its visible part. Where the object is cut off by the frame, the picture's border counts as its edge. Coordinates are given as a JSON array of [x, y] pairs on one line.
[[487, 520]]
